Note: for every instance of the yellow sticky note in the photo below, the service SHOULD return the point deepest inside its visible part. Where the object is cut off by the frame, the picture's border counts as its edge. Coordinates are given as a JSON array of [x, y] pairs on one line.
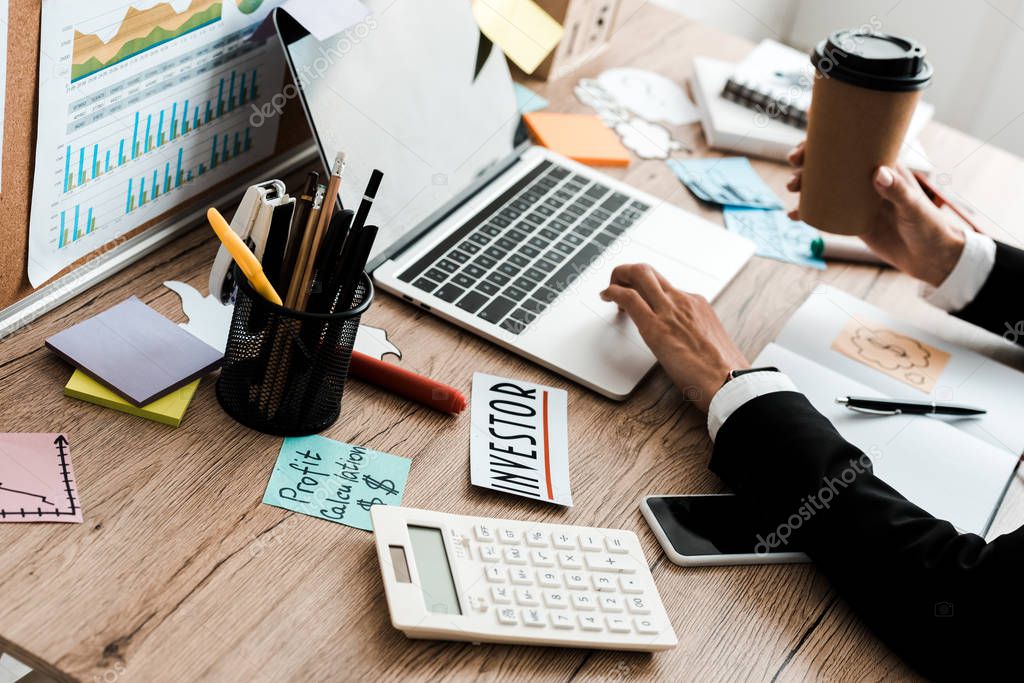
[[524, 31], [168, 410]]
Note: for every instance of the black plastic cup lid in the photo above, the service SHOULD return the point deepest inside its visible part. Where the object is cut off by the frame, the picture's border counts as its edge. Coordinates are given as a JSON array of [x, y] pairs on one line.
[[873, 60]]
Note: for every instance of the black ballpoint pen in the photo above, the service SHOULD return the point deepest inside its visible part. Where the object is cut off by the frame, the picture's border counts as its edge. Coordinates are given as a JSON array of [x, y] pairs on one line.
[[884, 406]]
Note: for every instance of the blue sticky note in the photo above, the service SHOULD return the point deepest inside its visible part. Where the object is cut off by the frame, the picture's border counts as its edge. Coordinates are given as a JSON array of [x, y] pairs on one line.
[[729, 181], [775, 234], [335, 481], [527, 100]]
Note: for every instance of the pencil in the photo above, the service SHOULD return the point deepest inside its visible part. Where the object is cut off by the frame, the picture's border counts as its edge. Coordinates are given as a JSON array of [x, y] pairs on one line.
[[330, 202], [307, 238]]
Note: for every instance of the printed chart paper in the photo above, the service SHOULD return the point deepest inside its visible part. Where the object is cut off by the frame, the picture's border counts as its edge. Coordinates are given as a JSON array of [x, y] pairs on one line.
[[335, 481], [146, 104], [519, 441], [37, 483]]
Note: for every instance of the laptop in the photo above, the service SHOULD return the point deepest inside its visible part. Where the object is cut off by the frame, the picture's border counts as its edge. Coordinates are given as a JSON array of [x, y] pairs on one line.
[[478, 226]]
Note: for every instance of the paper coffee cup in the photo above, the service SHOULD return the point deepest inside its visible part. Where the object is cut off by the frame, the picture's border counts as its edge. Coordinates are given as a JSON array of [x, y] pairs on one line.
[[866, 88]]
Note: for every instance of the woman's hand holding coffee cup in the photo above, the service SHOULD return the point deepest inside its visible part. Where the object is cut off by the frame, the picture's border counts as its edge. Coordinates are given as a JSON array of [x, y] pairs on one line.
[[909, 231]]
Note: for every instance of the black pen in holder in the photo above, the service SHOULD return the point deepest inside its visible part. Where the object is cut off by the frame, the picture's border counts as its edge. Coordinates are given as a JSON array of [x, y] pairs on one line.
[[284, 371]]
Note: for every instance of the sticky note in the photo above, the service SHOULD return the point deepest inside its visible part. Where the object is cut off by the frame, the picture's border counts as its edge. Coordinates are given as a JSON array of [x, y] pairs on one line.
[[37, 482], [729, 181], [775, 234], [135, 352], [580, 137], [519, 439], [903, 358], [527, 100], [336, 481], [169, 410], [524, 31]]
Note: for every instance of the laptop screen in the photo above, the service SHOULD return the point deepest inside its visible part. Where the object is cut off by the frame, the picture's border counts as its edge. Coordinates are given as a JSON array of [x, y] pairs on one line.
[[401, 91]]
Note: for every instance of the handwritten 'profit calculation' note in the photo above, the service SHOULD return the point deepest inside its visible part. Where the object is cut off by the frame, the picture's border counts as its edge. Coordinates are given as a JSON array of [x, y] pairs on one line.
[[901, 357], [37, 483], [335, 481]]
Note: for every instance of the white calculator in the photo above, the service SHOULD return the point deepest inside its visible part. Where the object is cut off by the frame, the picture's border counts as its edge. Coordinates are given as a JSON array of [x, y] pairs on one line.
[[451, 577]]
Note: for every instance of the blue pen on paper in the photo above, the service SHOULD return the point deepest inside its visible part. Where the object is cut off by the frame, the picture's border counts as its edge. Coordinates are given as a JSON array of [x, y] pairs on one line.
[[527, 100], [775, 234], [729, 181], [335, 481]]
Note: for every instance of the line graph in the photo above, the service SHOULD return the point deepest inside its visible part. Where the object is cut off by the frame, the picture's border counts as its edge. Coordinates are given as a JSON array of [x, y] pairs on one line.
[[139, 31], [37, 483]]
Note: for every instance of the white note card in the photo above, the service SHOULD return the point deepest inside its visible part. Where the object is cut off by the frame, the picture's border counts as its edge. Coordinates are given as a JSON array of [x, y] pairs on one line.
[[519, 440]]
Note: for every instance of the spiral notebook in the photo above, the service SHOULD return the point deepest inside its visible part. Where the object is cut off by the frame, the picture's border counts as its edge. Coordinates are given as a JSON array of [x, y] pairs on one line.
[[956, 469]]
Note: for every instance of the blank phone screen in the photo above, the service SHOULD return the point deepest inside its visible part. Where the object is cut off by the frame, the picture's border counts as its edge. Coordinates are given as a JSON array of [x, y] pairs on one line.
[[710, 525]]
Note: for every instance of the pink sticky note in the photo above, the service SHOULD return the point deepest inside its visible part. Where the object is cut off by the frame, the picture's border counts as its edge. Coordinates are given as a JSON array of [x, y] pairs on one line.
[[37, 483]]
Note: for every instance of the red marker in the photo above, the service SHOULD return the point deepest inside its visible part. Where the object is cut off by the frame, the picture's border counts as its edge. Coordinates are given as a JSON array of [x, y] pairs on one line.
[[407, 384]]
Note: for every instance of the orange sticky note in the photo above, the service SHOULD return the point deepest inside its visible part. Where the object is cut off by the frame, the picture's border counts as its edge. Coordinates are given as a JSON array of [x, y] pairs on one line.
[[580, 137]]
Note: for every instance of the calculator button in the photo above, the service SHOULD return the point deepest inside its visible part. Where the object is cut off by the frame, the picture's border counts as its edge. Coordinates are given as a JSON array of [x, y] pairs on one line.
[[583, 602], [534, 617], [611, 563], [630, 585], [507, 615], [509, 536], [477, 602], [591, 542], [537, 539], [616, 544], [527, 597], [488, 553], [589, 622], [561, 620], [520, 576], [576, 581], [638, 605], [570, 560], [515, 556], [610, 603], [618, 625], [603, 582], [501, 595], [563, 541], [549, 579], [556, 599], [483, 532], [542, 558], [495, 574], [645, 625]]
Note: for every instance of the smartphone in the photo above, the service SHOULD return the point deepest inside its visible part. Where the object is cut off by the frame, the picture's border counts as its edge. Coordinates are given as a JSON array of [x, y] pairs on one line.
[[712, 529]]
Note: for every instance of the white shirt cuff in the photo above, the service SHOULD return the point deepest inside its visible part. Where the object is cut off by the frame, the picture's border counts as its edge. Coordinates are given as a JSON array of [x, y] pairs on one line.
[[968, 277], [738, 391]]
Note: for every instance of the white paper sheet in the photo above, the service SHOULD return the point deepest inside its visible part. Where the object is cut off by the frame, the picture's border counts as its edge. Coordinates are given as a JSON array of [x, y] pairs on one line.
[[968, 378], [107, 64], [941, 468], [326, 19], [519, 440]]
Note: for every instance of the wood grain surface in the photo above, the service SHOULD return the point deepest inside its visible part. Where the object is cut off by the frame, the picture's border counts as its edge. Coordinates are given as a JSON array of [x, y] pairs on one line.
[[180, 573]]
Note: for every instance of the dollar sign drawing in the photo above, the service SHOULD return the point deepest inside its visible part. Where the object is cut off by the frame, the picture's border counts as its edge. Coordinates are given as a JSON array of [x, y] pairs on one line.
[[367, 504], [386, 485]]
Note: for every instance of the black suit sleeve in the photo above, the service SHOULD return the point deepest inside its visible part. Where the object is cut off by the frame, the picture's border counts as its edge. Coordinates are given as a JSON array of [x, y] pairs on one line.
[[999, 303], [949, 604]]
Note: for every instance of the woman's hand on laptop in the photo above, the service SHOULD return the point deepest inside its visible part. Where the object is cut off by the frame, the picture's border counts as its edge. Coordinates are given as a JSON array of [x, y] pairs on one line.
[[681, 329], [910, 232]]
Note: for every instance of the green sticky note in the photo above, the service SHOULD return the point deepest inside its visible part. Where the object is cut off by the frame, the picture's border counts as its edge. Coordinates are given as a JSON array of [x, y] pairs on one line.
[[335, 481]]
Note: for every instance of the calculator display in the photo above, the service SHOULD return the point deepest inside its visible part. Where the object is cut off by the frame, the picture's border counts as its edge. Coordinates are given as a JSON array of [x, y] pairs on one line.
[[436, 580]]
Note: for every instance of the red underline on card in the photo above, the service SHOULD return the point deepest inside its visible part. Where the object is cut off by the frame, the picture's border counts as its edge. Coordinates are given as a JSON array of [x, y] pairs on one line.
[[547, 449]]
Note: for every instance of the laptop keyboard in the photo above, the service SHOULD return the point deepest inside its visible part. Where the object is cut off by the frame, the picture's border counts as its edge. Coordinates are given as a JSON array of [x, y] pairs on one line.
[[512, 260]]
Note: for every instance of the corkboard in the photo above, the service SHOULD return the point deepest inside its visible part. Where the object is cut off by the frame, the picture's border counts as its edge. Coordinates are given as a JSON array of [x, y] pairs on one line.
[[19, 151]]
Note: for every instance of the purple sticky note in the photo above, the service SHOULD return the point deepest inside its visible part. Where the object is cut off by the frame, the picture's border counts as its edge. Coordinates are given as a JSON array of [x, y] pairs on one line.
[[135, 352]]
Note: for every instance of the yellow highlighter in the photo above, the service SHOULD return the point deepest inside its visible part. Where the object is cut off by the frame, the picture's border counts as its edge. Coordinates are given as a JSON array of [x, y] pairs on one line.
[[246, 260]]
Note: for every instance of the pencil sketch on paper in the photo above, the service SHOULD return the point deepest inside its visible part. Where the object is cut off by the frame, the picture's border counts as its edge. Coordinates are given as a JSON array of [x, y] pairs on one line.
[[901, 357]]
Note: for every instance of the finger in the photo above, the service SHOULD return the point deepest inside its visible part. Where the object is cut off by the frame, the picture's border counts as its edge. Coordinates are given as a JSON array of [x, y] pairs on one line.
[[630, 301], [891, 185], [645, 280], [794, 215], [796, 155], [795, 182]]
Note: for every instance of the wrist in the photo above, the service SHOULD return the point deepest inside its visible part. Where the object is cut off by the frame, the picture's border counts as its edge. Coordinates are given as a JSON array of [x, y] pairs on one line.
[[940, 261]]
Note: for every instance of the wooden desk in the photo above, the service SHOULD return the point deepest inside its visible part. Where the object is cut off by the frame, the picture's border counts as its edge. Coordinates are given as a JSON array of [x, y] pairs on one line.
[[181, 574]]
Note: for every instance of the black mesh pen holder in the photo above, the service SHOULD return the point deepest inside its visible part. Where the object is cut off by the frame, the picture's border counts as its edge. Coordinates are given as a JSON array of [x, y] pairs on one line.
[[284, 371]]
